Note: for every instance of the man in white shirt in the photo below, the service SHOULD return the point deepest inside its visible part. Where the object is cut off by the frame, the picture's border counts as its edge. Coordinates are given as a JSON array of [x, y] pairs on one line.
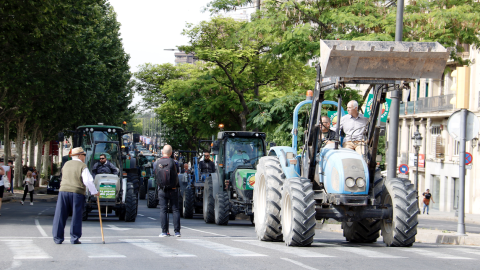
[[71, 198], [353, 126]]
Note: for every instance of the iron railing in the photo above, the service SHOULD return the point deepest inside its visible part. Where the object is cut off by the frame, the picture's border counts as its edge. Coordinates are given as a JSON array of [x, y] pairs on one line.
[[434, 104]]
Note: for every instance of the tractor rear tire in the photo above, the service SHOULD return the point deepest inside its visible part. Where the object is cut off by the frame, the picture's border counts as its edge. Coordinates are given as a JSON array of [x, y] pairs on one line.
[[298, 212], [222, 208], [152, 200], [366, 230], [142, 193], [208, 202], [267, 199], [133, 178], [131, 204], [188, 203], [400, 231]]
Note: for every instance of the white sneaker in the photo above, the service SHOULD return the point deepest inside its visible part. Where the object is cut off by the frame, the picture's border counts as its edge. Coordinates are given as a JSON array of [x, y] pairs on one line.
[[31, 203], [21, 202]]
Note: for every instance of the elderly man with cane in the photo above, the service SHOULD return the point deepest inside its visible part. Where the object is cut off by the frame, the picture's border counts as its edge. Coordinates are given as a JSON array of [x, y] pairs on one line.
[[71, 197]]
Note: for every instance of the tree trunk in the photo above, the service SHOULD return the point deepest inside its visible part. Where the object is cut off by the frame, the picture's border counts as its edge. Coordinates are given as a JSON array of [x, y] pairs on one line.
[[39, 154], [19, 152], [46, 161], [6, 150], [31, 158], [26, 151]]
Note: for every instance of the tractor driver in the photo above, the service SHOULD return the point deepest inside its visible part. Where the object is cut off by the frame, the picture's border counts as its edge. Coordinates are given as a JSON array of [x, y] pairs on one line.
[[240, 154], [206, 165], [328, 136], [353, 125], [103, 167]]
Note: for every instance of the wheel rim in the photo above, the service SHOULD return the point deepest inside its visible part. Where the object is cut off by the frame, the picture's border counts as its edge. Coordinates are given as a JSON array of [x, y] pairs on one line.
[[261, 204], [388, 223], [183, 203], [217, 210], [287, 214]]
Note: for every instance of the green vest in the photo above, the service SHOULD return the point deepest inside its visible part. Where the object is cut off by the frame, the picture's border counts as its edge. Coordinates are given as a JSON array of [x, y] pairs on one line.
[[72, 177]]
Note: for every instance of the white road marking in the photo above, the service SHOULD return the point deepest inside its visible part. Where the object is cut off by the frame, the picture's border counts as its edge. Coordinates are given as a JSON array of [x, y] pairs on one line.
[[232, 251], [99, 251], [282, 248], [157, 248], [433, 254], [152, 218], [367, 253], [40, 229], [140, 215], [26, 250], [299, 264], [183, 227], [115, 228]]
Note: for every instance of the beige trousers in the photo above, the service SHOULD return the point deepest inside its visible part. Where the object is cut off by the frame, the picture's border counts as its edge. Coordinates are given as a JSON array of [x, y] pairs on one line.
[[358, 146]]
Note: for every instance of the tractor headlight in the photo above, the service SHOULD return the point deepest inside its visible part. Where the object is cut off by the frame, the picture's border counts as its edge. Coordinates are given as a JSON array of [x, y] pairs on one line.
[[360, 182], [350, 182]]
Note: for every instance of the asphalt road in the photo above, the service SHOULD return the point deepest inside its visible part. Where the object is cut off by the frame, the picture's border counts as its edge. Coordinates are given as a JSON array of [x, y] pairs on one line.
[[26, 243], [447, 225]]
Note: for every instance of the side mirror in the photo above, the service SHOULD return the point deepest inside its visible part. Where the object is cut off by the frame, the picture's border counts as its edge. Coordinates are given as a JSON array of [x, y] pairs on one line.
[[272, 144]]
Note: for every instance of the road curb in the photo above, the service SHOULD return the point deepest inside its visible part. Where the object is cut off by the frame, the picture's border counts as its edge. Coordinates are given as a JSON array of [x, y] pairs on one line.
[[423, 236]]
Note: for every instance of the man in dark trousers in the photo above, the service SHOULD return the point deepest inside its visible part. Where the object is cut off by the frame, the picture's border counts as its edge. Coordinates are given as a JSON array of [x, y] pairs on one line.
[[206, 165], [165, 168], [71, 197]]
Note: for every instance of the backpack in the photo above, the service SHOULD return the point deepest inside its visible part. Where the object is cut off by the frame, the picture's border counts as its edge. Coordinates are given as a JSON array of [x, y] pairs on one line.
[[162, 173]]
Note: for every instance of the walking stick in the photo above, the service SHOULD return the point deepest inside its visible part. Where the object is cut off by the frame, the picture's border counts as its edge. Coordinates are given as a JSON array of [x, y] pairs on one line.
[[100, 217]]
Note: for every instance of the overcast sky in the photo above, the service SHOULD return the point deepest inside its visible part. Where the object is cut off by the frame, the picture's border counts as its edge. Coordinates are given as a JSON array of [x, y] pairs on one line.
[[150, 26]]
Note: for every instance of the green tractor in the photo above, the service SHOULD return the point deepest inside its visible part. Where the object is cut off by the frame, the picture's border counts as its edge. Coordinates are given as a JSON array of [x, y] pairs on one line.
[[119, 193], [145, 163], [229, 191]]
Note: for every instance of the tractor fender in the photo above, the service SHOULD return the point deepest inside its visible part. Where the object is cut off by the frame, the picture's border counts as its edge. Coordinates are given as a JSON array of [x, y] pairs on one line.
[[152, 184], [284, 155]]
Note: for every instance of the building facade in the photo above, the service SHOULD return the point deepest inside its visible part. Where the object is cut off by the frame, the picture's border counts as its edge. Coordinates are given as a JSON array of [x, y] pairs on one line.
[[427, 107], [183, 58]]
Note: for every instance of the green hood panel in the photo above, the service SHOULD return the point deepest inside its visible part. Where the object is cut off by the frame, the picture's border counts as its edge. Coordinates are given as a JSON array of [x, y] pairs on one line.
[[245, 179]]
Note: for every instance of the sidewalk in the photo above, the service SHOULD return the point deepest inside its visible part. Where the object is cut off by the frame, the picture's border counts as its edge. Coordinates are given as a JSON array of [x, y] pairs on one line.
[[450, 216], [40, 195]]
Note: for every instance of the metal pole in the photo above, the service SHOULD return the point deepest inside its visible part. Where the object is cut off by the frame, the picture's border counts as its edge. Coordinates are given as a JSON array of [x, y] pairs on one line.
[[395, 107], [461, 154], [416, 173]]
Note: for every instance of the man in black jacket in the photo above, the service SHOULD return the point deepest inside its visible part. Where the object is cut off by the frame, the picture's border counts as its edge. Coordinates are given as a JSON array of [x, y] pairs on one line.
[[206, 165], [169, 193], [103, 166]]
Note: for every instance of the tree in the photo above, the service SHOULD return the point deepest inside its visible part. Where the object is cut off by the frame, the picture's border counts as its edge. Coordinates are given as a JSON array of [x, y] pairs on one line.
[[241, 54]]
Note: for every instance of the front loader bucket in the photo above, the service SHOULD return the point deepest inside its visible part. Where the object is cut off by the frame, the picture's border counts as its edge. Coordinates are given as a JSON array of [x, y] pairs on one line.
[[382, 59]]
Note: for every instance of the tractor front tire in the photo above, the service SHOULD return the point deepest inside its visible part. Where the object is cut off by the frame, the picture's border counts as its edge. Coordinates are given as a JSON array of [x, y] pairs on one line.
[[222, 208], [400, 231], [267, 199], [298, 212], [133, 179], [152, 200], [188, 203], [366, 230], [131, 204], [208, 202]]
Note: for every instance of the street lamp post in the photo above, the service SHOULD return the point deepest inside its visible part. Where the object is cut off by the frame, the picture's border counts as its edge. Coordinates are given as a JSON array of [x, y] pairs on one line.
[[417, 143]]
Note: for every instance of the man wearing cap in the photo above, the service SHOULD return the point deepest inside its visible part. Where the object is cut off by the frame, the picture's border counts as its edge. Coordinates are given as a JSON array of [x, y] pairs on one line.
[[71, 197]]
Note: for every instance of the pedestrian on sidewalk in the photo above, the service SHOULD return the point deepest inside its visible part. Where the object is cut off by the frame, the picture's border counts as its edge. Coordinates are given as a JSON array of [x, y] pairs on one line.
[[427, 196], [71, 197], [29, 187], [166, 177], [2, 185]]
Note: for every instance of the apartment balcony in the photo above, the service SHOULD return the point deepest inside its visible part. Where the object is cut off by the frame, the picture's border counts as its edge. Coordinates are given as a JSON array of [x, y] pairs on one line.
[[427, 105]]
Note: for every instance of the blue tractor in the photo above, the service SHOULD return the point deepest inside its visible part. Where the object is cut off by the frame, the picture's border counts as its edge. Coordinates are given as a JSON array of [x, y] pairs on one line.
[[296, 187], [192, 185]]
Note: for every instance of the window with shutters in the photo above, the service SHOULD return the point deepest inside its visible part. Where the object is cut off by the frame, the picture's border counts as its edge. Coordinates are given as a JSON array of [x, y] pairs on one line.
[[438, 147], [456, 146]]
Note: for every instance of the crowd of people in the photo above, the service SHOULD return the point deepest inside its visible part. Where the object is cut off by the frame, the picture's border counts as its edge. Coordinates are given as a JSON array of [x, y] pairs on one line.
[[7, 174]]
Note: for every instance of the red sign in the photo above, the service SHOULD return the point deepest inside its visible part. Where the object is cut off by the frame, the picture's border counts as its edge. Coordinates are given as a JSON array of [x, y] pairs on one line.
[[403, 168], [53, 150], [421, 160], [468, 158]]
